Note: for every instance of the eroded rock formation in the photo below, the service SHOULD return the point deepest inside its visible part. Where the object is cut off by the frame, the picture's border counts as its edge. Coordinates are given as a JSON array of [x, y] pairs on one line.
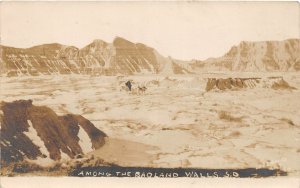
[[238, 83], [29, 131]]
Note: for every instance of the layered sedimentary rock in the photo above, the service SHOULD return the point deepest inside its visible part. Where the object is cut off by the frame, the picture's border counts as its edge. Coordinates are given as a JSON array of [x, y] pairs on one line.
[[257, 57], [121, 57], [238, 83], [32, 132]]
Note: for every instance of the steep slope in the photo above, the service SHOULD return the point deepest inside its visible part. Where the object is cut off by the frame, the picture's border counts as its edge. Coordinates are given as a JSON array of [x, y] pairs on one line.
[[32, 132], [134, 58], [169, 66], [98, 58], [257, 56], [44, 59]]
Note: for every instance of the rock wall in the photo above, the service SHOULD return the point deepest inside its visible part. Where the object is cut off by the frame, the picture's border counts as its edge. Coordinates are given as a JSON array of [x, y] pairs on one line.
[[239, 83]]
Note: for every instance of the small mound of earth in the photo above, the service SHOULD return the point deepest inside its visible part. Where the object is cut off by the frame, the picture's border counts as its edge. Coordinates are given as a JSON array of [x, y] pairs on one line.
[[282, 84]]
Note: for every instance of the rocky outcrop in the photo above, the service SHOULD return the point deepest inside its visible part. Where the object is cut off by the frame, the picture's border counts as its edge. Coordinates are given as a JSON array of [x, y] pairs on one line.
[[282, 84], [256, 56], [226, 83], [238, 83], [98, 58], [31, 132]]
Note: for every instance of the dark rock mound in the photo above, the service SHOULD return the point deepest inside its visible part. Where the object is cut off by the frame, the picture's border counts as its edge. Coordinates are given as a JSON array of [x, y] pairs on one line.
[[228, 83], [56, 134]]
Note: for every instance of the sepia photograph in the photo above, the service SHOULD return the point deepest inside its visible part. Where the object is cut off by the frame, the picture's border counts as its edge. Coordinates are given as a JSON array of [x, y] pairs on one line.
[[149, 90]]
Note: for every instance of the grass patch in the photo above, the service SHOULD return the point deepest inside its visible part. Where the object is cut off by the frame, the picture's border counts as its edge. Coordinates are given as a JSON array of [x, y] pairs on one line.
[[290, 122], [228, 117], [234, 134]]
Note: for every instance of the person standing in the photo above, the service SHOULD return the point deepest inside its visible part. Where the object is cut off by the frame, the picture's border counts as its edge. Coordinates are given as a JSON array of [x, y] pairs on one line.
[[128, 84]]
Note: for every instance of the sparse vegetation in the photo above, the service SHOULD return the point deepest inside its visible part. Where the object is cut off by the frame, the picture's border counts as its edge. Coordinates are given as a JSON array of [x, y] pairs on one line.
[[227, 116], [290, 122], [57, 169], [234, 134]]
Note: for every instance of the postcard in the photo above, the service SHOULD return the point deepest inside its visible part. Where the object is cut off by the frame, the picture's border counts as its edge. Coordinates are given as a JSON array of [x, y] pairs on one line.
[[150, 90]]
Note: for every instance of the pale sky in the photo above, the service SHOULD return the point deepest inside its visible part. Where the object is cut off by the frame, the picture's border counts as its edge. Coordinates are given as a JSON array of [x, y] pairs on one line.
[[185, 30]]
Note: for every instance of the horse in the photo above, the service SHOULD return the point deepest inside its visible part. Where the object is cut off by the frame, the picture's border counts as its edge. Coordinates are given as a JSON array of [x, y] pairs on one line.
[[142, 89]]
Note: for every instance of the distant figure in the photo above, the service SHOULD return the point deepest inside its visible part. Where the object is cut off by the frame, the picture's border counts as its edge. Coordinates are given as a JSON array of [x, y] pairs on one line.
[[128, 84], [141, 89]]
